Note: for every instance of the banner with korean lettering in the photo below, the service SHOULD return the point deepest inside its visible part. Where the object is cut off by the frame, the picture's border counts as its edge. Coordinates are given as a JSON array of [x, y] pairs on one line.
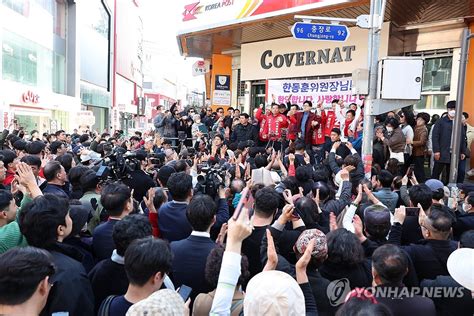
[[300, 90]]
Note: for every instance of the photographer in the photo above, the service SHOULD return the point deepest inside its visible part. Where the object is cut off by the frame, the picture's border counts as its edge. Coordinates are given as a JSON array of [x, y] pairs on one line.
[[139, 180]]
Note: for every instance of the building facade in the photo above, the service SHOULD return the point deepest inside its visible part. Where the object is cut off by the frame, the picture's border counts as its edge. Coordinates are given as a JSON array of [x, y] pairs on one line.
[[70, 64], [38, 83], [253, 45]]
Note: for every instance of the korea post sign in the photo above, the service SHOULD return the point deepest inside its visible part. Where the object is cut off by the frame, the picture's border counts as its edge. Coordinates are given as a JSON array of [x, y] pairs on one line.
[[322, 90], [221, 94]]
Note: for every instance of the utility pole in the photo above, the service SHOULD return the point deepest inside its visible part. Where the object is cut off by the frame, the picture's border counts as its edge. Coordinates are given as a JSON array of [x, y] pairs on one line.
[[376, 19], [457, 124]]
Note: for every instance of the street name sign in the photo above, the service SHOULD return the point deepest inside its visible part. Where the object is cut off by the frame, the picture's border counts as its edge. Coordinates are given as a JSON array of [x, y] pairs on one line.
[[320, 32]]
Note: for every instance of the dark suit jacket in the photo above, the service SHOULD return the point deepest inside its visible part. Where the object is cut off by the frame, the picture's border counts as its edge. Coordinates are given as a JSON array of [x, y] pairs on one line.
[[102, 242], [189, 263], [402, 305]]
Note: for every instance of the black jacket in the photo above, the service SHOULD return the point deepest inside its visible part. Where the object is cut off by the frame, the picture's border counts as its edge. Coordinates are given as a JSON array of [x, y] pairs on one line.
[[72, 291], [359, 275], [189, 263], [464, 222], [429, 256], [243, 133], [460, 304], [108, 278], [401, 303], [441, 139]]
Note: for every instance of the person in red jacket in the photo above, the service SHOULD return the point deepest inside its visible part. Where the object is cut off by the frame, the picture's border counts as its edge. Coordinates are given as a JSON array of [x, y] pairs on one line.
[[293, 128], [317, 135], [331, 119], [274, 122]]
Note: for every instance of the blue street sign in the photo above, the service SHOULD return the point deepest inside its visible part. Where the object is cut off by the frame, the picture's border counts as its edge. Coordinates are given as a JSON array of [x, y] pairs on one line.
[[320, 32]]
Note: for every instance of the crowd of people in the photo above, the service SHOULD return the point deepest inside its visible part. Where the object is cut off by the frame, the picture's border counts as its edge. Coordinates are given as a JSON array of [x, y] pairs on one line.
[[216, 212]]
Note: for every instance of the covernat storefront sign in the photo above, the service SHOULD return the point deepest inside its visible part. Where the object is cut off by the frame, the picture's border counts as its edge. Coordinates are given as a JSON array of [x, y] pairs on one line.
[[292, 58]]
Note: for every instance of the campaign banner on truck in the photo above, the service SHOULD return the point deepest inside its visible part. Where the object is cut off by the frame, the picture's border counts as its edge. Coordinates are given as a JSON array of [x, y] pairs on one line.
[[300, 90]]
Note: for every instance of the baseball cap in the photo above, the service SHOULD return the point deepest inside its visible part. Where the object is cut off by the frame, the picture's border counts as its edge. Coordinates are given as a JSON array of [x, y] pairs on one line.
[[434, 184]]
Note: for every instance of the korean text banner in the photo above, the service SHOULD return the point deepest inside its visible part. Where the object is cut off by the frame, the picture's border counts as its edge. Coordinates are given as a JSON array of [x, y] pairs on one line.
[[197, 15], [324, 90]]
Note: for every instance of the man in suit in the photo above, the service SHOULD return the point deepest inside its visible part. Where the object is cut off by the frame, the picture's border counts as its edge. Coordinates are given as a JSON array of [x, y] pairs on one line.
[[172, 218], [117, 201], [389, 266], [190, 254]]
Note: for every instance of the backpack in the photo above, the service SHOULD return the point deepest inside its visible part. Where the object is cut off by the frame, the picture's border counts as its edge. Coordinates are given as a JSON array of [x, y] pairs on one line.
[[104, 309]]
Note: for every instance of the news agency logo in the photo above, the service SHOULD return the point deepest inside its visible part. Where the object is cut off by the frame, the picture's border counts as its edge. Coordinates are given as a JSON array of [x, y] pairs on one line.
[[338, 290]]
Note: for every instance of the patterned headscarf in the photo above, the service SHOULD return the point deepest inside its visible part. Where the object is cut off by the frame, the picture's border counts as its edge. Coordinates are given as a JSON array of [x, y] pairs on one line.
[[320, 249]]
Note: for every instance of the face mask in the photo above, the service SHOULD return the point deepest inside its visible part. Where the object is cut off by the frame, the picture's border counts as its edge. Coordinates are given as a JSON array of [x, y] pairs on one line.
[[466, 207], [451, 113], [389, 129]]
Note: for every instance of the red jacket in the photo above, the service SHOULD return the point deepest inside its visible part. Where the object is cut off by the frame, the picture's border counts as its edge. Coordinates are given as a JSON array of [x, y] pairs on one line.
[[317, 137], [330, 123], [272, 125]]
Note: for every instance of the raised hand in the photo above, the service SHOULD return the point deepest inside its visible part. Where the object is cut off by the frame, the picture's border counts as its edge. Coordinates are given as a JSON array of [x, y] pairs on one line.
[[272, 256]]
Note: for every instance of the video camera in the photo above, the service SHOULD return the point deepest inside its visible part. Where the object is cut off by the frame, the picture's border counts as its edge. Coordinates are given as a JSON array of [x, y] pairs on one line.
[[118, 164], [210, 182]]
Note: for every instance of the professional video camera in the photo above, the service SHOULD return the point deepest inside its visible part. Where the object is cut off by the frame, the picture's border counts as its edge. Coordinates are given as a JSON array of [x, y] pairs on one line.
[[118, 164], [210, 182]]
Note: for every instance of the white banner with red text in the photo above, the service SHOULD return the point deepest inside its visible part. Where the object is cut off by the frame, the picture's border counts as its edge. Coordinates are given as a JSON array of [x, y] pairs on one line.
[[300, 90]]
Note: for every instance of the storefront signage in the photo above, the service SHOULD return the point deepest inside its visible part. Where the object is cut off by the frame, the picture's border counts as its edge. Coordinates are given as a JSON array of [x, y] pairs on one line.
[[201, 67], [327, 55], [222, 82], [221, 97], [323, 90], [291, 58], [85, 118], [30, 97], [205, 14]]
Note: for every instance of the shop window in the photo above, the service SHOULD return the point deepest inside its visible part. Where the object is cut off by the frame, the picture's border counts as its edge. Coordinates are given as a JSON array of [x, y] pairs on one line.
[[28, 63], [436, 83]]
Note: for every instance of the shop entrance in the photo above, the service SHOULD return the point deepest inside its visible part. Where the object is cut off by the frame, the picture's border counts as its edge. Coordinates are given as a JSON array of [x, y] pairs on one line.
[[258, 95]]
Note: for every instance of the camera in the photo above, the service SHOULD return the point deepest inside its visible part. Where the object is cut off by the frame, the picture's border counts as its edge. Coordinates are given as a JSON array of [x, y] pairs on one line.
[[210, 182], [118, 165]]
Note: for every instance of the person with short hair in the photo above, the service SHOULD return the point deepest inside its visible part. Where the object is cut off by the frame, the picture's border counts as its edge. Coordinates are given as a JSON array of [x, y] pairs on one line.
[[244, 131], [384, 193], [56, 176], [464, 221], [389, 267], [147, 261], [429, 255], [45, 223], [10, 161], [267, 201], [190, 254], [117, 201], [31, 267], [10, 232], [108, 277], [441, 140], [57, 148]]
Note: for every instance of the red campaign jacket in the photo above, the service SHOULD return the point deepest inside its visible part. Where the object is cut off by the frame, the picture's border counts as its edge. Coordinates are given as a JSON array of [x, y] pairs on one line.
[[346, 129], [292, 128], [262, 121], [317, 136], [330, 123], [273, 127]]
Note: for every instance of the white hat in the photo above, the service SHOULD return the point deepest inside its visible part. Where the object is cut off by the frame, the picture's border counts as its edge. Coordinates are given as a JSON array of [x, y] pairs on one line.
[[460, 266]]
